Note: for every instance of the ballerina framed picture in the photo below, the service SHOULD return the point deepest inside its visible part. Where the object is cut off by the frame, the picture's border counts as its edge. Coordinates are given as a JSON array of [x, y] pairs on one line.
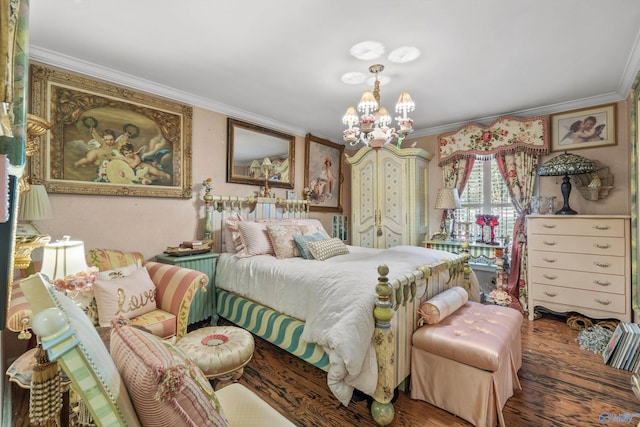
[[584, 128], [107, 139], [323, 174]]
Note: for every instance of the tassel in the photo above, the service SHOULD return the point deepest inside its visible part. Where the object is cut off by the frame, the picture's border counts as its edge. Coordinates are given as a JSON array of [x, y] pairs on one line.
[[45, 402], [84, 416]]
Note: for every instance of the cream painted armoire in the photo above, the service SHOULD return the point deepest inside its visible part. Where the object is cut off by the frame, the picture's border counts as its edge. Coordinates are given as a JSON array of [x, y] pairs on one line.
[[389, 196]]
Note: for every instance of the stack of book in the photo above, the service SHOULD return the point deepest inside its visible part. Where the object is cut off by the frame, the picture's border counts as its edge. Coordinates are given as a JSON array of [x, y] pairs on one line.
[[622, 352], [189, 247]]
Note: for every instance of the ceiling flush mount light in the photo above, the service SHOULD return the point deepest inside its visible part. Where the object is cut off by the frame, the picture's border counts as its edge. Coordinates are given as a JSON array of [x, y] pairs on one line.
[[367, 50], [404, 54], [567, 164], [372, 127]]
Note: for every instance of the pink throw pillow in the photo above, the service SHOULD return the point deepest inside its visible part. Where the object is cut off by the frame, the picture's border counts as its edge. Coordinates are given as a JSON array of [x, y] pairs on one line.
[[255, 239], [165, 386], [282, 238], [442, 305]]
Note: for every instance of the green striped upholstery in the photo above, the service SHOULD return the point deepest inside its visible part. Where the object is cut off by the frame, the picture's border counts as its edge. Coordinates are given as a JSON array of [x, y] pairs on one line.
[[277, 328]]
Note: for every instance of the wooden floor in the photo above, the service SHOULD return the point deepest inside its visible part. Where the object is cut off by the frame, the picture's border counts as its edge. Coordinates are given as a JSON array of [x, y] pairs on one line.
[[563, 385]]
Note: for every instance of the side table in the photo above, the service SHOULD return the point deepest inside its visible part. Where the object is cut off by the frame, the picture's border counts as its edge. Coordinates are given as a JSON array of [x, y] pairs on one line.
[[483, 255], [203, 305]]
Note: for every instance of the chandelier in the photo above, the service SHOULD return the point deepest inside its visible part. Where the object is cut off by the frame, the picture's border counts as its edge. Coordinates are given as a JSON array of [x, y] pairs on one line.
[[372, 128]]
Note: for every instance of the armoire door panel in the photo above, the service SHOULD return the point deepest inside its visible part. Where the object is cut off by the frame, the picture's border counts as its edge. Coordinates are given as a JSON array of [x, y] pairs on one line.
[[388, 190]]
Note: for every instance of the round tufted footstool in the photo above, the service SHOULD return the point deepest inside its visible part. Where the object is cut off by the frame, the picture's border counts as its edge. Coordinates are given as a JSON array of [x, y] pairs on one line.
[[219, 351]]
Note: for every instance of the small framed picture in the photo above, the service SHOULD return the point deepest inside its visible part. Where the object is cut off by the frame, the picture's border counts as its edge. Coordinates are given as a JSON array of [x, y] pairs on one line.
[[584, 128], [292, 195]]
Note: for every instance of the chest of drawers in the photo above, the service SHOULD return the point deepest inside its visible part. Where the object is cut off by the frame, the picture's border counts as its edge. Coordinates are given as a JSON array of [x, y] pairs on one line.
[[580, 263]]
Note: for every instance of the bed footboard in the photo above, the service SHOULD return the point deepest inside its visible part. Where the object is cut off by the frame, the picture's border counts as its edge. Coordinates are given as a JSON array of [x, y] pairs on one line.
[[395, 316]]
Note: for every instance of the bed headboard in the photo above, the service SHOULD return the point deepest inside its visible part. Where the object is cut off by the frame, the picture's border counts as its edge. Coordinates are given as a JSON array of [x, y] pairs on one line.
[[252, 207]]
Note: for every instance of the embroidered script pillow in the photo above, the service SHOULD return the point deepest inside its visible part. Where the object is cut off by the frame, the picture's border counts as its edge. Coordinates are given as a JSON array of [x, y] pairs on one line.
[[127, 297]]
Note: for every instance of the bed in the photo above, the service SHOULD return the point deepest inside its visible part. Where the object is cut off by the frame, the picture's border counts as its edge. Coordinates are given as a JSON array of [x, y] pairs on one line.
[[351, 315]]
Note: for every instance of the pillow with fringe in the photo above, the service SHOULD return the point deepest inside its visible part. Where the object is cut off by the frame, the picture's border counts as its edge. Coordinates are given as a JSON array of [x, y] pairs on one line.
[[165, 386]]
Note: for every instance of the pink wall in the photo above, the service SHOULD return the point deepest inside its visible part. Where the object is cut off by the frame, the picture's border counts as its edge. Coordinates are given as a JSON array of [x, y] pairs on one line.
[[149, 225]]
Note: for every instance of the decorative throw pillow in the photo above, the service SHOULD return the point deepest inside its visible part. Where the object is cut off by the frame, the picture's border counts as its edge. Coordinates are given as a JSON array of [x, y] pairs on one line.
[[232, 241], [442, 305], [282, 238], [127, 297], [302, 242], [314, 223], [326, 249], [118, 273], [255, 239], [166, 387]]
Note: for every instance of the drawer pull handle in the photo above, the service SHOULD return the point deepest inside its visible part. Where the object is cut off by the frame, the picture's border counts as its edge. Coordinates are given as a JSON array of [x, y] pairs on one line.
[[601, 227], [598, 282], [549, 225], [602, 264], [550, 243], [602, 246], [551, 260], [603, 302], [550, 294], [547, 276]]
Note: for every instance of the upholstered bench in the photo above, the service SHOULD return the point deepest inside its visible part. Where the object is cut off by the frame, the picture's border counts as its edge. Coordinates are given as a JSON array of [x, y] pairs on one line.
[[467, 363], [221, 352]]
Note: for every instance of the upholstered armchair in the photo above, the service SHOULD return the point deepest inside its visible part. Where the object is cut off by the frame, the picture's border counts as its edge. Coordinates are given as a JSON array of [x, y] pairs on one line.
[[175, 288], [142, 380]]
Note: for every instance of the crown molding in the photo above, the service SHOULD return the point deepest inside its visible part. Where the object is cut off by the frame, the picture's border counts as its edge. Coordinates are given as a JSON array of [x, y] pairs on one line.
[[76, 65]]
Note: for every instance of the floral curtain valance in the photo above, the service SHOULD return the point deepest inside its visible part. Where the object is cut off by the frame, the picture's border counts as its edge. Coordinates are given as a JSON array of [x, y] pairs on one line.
[[505, 134]]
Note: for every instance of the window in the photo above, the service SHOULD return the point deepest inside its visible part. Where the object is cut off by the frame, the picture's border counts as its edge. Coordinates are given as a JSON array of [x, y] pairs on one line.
[[486, 193]]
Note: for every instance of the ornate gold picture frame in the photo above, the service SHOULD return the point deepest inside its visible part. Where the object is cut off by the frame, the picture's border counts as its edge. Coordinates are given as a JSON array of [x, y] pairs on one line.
[[323, 174], [107, 139]]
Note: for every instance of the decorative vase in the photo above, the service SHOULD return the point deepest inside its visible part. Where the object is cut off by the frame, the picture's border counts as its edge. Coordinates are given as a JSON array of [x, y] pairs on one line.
[[492, 222], [480, 221]]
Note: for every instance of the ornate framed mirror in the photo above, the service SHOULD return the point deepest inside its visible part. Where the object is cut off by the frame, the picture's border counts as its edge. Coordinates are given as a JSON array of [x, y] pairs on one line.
[[256, 154]]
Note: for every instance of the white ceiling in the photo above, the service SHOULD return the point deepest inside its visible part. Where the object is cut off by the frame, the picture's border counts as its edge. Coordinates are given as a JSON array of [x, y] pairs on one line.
[[279, 63]]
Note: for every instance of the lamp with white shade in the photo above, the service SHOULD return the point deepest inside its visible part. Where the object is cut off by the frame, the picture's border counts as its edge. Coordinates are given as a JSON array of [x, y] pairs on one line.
[[35, 204], [448, 200], [65, 265]]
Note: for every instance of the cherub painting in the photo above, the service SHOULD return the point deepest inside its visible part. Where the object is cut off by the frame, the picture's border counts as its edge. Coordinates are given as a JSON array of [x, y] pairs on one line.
[[593, 127]]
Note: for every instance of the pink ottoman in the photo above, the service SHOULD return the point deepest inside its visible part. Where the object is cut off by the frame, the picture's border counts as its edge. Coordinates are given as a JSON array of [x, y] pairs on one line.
[[219, 351], [468, 363]]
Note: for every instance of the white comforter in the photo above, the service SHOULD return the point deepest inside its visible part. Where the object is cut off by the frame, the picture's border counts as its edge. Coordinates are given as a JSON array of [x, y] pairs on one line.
[[335, 298]]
